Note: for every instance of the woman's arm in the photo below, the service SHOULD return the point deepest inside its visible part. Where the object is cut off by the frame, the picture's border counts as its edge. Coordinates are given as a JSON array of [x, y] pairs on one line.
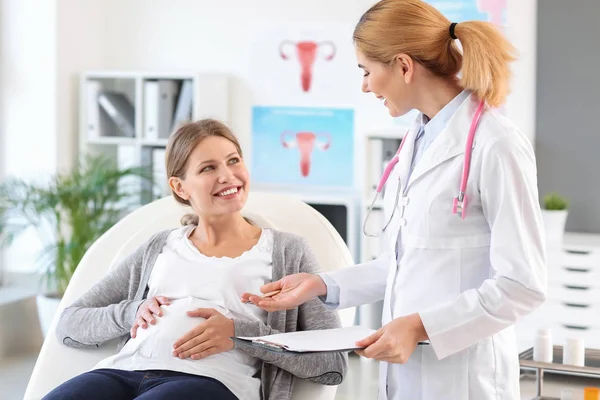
[[104, 312], [322, 368]]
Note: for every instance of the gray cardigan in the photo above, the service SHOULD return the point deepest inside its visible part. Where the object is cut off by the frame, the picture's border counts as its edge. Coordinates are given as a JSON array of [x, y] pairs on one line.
[[107, 311]]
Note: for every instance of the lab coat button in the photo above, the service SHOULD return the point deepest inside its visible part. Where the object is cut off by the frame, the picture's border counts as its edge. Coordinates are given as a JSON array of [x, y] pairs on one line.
[[402, 221], [405, 201]]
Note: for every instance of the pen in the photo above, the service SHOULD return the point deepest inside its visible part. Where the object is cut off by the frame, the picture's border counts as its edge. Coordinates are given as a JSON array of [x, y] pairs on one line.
[[271, 294]]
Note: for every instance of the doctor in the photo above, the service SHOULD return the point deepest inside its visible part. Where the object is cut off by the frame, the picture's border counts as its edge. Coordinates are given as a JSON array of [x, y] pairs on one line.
[[464, 250]]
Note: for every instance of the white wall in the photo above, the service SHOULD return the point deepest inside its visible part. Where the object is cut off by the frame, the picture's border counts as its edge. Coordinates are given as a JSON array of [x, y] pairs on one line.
[[522, 32], [216, 37], [80, 42], [28, 86], [27, 101], [2, 145], [181, 35]]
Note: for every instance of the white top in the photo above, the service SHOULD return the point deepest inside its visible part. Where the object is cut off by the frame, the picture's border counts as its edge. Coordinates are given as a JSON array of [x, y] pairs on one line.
[[192, 280]]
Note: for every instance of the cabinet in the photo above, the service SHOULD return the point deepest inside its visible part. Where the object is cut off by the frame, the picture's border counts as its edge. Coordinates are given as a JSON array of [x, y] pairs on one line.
[[128, 116], [379, 149], [572, 306]]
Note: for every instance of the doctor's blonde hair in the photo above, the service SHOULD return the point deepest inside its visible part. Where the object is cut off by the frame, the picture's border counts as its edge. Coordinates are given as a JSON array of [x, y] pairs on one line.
[[181, 145], [415, 28]]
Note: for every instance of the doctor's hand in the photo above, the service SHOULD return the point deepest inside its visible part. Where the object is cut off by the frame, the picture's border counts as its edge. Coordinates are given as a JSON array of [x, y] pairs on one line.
[[211, 336], [146, 312], [294, 290], [396, 341]]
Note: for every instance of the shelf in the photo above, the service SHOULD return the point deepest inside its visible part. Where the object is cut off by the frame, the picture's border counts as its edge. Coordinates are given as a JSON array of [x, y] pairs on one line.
[[591, 368], [396, 132], [103, 119], [155, 142], [117, 141], [12, 294], [140, 74], [582, 241]]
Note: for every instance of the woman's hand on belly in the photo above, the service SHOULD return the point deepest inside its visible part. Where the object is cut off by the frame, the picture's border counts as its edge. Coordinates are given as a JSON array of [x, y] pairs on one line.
[[211, 336], [146, 312]]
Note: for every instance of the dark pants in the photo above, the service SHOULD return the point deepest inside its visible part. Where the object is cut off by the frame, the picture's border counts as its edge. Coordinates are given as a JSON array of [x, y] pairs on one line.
[[114, 384]]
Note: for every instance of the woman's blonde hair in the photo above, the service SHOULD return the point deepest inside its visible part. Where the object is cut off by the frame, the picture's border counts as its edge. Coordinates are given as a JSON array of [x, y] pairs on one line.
[[181, 145], [416, 28]]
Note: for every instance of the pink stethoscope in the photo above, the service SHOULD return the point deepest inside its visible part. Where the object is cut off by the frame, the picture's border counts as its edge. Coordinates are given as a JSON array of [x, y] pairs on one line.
[[460, 202]]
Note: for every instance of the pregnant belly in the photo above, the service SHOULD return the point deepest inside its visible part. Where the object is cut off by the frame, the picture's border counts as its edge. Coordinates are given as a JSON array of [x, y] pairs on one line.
[[156, 341]]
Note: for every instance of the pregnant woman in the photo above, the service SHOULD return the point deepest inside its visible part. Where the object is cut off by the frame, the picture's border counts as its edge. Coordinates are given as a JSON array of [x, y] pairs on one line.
[[174, 303]]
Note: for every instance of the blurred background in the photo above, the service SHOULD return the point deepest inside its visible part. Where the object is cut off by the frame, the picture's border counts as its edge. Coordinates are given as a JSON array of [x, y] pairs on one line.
[[91, 90]]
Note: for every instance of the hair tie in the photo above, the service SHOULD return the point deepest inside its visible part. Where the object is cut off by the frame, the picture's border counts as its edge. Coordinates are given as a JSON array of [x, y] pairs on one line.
[[452, 25]]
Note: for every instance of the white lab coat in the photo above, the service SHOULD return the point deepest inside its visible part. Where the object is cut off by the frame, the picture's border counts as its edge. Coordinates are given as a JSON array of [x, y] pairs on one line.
[[470, 279]]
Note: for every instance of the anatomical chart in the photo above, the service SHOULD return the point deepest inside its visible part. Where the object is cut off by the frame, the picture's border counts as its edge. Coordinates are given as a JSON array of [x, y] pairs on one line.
[[304, 65], [305, 53], [299, 146]]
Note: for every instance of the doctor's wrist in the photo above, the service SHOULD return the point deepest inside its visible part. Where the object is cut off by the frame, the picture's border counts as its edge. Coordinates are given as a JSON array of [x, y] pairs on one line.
[[319, 286], [419, 328]]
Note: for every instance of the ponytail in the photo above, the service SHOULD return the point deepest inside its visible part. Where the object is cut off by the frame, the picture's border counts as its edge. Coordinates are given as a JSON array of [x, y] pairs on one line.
[[485, 61], [414, 27], [190, 219]]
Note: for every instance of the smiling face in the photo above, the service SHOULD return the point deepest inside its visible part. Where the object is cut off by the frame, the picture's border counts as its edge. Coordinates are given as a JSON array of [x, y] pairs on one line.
[[389, 83], [216, 180]]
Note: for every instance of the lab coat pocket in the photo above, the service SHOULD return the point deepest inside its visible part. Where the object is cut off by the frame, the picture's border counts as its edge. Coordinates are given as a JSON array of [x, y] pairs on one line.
[[493, 368], [481, 360], [446, 378]]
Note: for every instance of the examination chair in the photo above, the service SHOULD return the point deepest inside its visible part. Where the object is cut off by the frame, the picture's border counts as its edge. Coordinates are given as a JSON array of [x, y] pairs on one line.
[[57, 363]]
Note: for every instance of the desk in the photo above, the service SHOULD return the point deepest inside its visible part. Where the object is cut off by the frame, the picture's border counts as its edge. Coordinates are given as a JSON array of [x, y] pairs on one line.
[[554, 384], [21, 333], [572, 305], [571, 309]]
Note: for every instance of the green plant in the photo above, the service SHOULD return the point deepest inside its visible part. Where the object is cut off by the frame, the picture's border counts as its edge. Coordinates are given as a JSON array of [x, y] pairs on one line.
[[69, 213], [554, 201]]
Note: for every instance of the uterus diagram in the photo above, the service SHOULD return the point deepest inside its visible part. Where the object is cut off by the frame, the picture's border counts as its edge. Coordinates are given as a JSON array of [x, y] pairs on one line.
[[305, 142], [306, 54]]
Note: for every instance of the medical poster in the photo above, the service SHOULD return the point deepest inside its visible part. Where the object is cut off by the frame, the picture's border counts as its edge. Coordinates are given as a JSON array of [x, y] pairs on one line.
[[303, 146], [305, 64], [493, 11]]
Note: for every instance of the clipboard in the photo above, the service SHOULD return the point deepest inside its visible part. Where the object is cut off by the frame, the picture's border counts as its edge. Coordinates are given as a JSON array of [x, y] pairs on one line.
[[310, 342]]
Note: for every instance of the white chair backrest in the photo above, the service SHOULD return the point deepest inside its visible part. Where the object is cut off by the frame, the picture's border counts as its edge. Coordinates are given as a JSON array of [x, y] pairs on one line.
[[264, 209], [57, 363]]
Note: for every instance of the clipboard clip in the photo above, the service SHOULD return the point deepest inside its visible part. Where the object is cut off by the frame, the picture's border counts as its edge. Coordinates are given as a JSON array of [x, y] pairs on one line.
[[270, 345], [264, 344]]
